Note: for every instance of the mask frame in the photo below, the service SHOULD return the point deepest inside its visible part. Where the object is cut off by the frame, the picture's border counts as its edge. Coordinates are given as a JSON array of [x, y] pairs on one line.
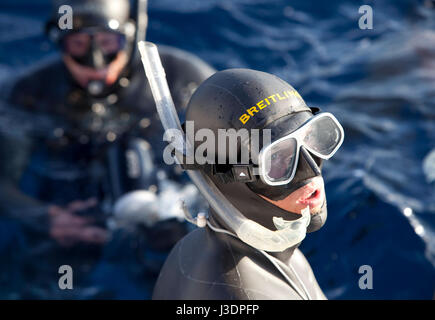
[[298, 135]]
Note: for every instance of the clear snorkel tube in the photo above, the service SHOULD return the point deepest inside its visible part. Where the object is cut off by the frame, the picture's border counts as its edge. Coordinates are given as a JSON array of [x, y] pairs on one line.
[[288, 234]]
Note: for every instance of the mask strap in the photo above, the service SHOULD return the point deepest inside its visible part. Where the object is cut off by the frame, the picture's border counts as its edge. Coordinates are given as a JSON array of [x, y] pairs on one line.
[[315, 110]]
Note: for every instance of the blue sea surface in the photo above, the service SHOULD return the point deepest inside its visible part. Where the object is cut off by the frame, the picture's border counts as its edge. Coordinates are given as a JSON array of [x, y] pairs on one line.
[[379, 83]]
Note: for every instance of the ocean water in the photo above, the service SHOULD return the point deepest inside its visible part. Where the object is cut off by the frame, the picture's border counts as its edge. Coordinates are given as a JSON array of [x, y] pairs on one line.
[[380, 84]]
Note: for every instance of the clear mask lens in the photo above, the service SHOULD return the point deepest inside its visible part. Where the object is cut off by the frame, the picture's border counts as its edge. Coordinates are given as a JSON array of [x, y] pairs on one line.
[[280, 160], [78, 44], [323, 136]]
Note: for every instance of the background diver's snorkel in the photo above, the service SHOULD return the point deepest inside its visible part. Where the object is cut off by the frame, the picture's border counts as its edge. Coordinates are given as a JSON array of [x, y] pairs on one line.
[[288, 234]]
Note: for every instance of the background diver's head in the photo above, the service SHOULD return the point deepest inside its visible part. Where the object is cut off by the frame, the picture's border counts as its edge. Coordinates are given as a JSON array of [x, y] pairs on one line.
[[100, 44], [290, 179]]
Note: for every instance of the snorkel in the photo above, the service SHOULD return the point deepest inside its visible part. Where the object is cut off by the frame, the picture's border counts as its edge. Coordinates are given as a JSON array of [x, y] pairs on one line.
[[288, 233]]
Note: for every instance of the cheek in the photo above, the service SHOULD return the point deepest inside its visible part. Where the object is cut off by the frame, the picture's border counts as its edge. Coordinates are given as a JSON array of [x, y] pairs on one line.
[[290, 203]]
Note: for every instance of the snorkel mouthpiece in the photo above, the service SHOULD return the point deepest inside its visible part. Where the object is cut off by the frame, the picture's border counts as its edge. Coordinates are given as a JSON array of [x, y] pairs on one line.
[[288, 234]]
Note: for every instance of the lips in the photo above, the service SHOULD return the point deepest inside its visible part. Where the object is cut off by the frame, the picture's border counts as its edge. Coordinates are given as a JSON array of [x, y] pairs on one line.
[[312, 194]]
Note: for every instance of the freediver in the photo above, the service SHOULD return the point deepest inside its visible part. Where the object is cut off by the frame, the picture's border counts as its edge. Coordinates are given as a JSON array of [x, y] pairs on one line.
[[248, 248], [98, 91]]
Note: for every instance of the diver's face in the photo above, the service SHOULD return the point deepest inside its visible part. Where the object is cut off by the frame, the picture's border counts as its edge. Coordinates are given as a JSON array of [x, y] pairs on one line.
[[311, 194], [77, 46]]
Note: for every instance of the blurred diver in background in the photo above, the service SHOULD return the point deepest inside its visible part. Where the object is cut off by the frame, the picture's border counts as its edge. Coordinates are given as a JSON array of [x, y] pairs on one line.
[[98, 173]]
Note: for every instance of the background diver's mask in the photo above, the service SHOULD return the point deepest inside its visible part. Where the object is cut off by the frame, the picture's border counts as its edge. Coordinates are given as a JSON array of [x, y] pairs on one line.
[[94, 49]]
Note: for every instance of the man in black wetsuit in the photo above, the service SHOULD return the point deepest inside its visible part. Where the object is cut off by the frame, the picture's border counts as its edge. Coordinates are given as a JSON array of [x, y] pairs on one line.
[[63, 182], [264, 206]]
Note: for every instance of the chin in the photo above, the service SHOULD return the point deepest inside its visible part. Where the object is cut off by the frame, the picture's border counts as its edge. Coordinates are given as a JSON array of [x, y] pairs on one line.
[[318, 219], [315, 210]]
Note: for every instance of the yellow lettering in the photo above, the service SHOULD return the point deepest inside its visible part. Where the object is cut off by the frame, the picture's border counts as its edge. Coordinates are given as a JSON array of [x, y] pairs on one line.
[[244, 118], [297, 94], [279, 97], [252, 110], [261, 105], [273, 97], [264, 103]]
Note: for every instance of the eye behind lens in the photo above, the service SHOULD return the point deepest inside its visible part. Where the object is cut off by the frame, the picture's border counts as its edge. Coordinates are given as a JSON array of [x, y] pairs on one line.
[[322, 136]]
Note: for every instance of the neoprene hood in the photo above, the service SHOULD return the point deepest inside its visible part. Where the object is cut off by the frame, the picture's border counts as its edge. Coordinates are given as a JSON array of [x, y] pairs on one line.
[[249, 99]]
